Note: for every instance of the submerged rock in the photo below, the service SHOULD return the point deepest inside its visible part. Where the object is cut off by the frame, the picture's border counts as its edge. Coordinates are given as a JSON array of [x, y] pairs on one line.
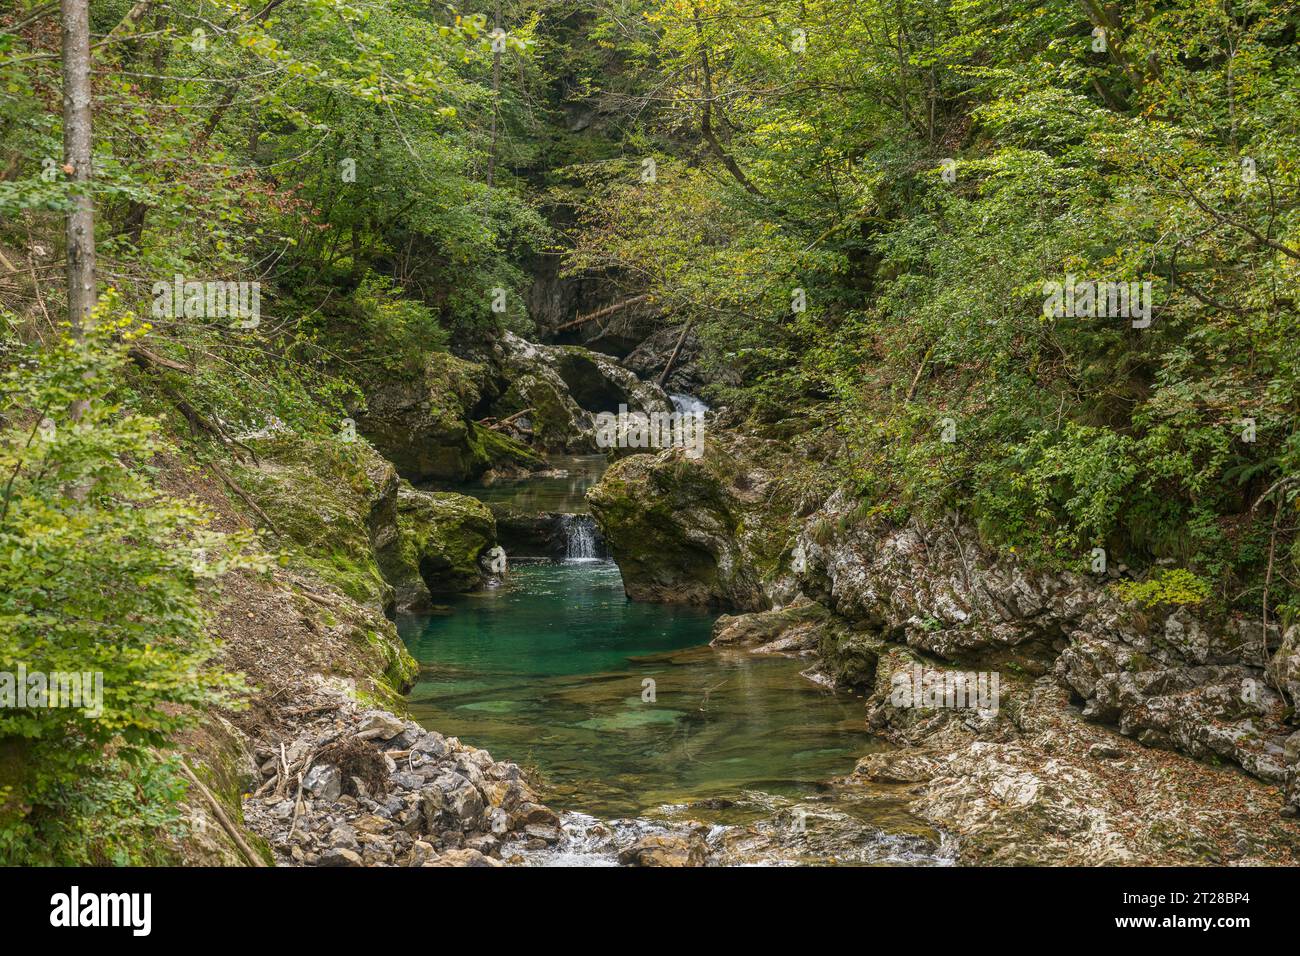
[[799, 629]]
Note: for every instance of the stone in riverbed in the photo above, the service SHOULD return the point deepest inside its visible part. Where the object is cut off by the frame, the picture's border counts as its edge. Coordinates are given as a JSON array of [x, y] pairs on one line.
[[379, 725], [664, 850], [339, 857], [452, 797], [463, 857], [432, 745], [535, 813], [324, 782], [483, 843], [547, 834]]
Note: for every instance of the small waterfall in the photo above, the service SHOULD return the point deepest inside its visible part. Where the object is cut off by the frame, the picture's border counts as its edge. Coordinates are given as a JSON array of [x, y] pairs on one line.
[[580, 538], [686, 404]]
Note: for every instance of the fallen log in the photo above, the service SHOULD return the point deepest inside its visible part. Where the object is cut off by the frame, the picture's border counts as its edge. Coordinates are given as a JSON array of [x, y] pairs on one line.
[[601, 313]]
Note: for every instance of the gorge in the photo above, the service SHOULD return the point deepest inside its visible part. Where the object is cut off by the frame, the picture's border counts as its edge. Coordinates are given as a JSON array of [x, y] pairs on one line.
[[649, 433]]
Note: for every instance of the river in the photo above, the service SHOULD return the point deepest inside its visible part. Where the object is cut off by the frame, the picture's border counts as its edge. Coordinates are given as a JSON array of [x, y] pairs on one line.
[[632, 723]]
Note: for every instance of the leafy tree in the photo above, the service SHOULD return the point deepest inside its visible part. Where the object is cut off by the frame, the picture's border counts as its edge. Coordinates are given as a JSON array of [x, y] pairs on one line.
[[101, 576]]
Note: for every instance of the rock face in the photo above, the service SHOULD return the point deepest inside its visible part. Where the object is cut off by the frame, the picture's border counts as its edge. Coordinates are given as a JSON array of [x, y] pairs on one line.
[[1036, 784], [441, 539], [649, 358], [936, 589], [380, 791], [694, 531], [334, 502], [561, 388], [1160, 674], [363, 529], [424, 425], [543, 534], [921, 606], [548, 394]]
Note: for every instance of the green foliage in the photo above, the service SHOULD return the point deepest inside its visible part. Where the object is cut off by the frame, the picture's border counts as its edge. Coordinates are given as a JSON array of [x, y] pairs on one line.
[[100, 576], [921, 171], [856, 205], [1176, 586]]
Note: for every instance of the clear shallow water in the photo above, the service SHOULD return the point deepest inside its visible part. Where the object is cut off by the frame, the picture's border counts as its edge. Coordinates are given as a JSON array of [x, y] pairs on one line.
[[562, 493], [549, 671]]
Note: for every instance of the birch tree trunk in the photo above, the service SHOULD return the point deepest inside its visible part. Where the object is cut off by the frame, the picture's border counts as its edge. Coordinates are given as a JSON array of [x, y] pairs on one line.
[[75, 16]]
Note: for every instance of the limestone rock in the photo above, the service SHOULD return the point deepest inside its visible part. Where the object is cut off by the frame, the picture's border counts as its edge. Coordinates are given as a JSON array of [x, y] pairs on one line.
[[424, 425], [695, 531], [441, 538], [562, 387], [665, 850]]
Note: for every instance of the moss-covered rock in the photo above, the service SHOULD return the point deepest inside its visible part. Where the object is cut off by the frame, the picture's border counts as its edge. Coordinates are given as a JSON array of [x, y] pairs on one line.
[[494, 451], [424, 425], [562, 387], [333, 503], [710, 531], [553, 418], [440, 538]]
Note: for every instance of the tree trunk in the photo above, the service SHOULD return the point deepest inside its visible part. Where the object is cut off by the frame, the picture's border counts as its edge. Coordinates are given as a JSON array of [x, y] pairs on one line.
[[496, 103], [77, 160]]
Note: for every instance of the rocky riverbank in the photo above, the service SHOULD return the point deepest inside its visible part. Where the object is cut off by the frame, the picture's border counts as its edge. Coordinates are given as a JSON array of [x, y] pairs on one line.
[[318, 769], [1124, 732], [362, 787]]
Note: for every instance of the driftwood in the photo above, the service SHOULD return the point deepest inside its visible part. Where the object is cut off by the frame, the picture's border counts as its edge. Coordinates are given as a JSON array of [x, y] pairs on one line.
[[503, 422], [244, 495], [601, 313], [672, 359], [151, 361], [147, 358]]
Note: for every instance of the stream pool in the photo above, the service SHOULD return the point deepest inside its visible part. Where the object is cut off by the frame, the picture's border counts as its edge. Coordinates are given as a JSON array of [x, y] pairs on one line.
[[551, 671], [626, 717]]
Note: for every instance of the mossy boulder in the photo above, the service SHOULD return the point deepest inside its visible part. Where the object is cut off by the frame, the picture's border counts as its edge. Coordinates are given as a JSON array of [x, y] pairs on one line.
[[333, 502], [710, 531], [848, 657], [553, 418], [495, 451], [440, 538], [424, 424], [563, 387]]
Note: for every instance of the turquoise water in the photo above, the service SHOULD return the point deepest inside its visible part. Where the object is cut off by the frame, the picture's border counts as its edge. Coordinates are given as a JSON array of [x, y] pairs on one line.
[[550, 670], [562, 489]]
